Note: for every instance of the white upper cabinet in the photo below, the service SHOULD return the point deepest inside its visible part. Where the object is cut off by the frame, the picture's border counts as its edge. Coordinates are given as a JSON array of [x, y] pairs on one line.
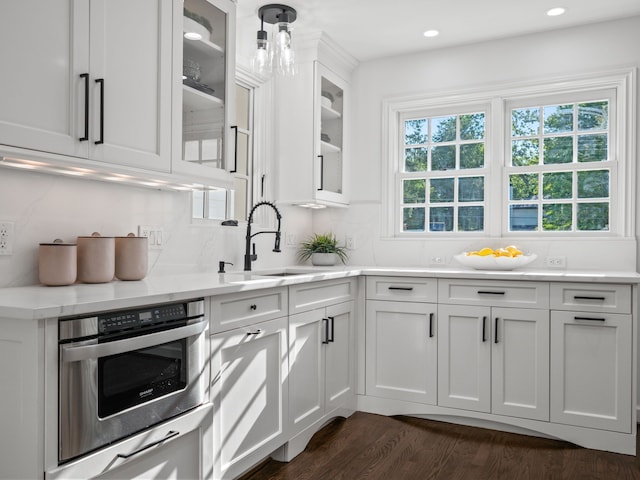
[[312, 127], [89, 79], [203, 90]]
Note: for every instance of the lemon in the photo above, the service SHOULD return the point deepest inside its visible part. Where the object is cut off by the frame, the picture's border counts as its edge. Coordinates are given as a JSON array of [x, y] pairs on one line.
[[485, 252]]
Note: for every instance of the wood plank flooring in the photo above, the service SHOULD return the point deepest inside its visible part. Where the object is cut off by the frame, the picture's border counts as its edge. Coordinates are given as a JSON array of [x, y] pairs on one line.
[[368, 446]]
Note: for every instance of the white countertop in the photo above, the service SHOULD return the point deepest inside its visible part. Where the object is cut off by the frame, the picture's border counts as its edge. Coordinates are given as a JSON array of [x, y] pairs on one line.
[[36, 302]]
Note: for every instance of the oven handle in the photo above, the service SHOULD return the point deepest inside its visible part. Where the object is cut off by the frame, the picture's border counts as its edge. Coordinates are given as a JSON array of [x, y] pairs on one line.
[[87, 352]]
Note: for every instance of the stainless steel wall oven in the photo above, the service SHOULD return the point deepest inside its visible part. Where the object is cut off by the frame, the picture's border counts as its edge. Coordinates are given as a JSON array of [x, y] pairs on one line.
[[123, 371]]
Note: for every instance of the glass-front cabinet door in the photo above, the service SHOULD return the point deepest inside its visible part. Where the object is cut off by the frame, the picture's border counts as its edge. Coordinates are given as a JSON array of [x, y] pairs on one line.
[[204, 93], [330, 171]]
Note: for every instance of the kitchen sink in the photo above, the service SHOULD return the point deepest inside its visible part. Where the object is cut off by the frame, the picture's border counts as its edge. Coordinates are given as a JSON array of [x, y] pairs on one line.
[[283, 274]]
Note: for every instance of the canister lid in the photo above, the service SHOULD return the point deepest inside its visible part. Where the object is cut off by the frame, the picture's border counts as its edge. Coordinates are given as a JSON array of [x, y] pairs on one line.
[[59, 243]]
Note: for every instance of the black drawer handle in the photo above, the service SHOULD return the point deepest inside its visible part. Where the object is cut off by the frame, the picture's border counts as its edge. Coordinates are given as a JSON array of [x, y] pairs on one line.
[[582, 297], [253, 306], [484, 329], [325, 321], [406, 289], [257, 332], [100, 81], [590, 319], [331, 338], [431, 325], [86, 107], [489, 292]]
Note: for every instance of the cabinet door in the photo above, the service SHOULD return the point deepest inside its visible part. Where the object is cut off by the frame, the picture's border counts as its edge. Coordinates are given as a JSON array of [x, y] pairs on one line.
[[204, 95], [464, 357], [307, 337], [591, 370], [249, 392], [340, 356], [329, 136], [131, 110], [401, 351], [45, 49], [520, 363]]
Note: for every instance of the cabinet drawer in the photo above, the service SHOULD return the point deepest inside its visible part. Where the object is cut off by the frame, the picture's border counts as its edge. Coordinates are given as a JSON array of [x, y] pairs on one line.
[[308, 296], [241, 309], [592, 298], [402, 289], [495, 293]]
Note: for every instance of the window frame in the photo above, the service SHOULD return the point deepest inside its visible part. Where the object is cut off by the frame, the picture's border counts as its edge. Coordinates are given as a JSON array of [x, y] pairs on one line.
[[622, 141]]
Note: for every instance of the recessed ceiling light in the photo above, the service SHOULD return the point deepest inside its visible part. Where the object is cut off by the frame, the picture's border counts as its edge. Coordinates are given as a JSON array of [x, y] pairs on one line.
[[554, 12], [192, 36], [431, 33]]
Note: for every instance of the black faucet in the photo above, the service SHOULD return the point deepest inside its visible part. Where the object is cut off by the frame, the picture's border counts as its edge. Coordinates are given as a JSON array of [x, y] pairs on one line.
[[248, 255]]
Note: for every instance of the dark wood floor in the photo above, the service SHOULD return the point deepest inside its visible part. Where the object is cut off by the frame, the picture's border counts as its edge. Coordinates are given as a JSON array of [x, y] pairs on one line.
[[370, 446]]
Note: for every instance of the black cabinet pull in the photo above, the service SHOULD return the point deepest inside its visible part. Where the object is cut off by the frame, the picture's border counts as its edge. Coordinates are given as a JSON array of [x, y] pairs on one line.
[[496, 332], [253, 306], [489, 292], [235, 149], [257, 332], [484, 329], [100, 81], [169, 435], [582, 297], [325, 321], [431, 325], [321, 172], [86, 107], [331, 338], [407, 289], [590, 319], [262, 185]]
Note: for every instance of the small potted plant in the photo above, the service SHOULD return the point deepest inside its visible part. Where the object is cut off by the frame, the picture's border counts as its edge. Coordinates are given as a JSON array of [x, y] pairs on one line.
[[322, 249]]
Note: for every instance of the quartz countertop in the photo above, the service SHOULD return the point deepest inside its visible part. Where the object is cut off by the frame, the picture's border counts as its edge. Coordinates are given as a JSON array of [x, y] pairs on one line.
[[37, 302]]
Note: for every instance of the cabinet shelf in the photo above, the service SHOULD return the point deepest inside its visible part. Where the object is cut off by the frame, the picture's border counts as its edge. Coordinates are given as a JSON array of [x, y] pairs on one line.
[[329, 147], [194, 100], [327, 113]]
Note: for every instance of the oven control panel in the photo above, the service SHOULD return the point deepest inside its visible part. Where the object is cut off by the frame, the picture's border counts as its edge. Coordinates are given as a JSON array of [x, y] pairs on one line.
[[115, 321]]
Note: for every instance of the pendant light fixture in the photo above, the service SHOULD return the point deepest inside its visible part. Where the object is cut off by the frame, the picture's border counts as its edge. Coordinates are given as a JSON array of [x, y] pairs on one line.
[[281, 53]]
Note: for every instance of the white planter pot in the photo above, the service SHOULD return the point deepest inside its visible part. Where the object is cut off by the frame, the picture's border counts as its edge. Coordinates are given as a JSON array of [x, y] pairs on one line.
[[324, 259]]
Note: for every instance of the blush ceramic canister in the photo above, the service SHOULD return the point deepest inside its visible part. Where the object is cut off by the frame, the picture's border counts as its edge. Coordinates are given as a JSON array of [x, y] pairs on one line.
[[132, 257], [96, 259], [57, 263]]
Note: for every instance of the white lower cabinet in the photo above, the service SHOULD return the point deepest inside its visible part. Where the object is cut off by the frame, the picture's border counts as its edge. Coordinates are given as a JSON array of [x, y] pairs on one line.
[[401, 351], [322, 356], [591, 370], [249, 391], [494, 360]]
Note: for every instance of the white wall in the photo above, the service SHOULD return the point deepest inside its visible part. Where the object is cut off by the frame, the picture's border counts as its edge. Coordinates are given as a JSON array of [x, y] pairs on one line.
[[545, 56], [45, 207]]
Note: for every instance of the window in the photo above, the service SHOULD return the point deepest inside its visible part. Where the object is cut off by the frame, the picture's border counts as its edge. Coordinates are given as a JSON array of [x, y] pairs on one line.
[[560, 167], [538, 160], [443, 173]]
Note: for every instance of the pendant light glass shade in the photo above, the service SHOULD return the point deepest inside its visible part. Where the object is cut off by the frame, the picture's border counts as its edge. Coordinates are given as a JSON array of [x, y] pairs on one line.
[[279, 54], [283, 49], [261, 62]]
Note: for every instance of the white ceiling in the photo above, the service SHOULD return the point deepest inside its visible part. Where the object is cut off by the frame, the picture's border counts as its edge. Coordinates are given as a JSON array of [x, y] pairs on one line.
[[370, 29]]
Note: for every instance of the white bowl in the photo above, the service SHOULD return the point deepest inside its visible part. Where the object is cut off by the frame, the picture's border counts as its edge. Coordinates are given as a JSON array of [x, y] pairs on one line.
[[326, 102], [495, 263]]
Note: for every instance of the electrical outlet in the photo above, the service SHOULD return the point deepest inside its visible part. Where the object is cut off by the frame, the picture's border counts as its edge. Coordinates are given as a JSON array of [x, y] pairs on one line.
[[291, 239], [438, 260], [154, 233], [555, 262], [350, 242], [6, 238]]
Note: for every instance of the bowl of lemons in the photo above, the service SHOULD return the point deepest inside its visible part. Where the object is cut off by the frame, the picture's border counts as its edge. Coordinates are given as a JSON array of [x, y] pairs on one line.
[[507, 258]]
